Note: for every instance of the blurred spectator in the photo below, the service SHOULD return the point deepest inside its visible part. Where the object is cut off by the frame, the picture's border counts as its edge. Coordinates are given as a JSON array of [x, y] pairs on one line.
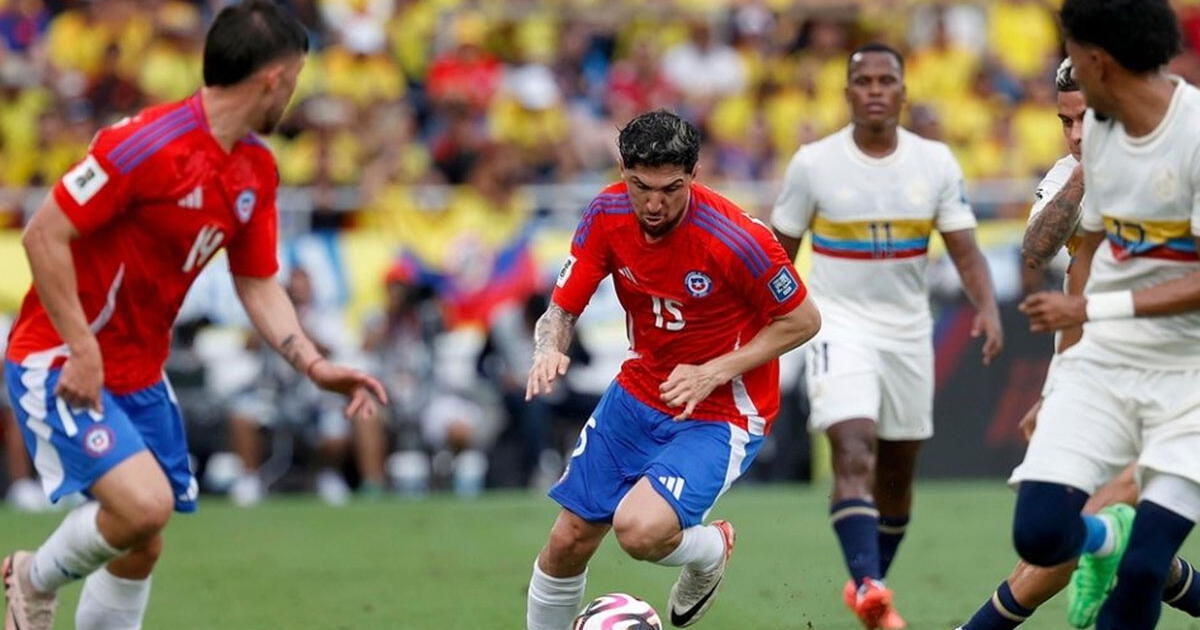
[[466, 73], [1024, 35], [530, 117], [704, 68], [283, 399], [23, 23], [111, 94]]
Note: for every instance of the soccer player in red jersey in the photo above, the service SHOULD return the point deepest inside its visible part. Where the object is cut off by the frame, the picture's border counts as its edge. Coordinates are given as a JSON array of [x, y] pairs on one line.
[[113, 250], [712, 302]]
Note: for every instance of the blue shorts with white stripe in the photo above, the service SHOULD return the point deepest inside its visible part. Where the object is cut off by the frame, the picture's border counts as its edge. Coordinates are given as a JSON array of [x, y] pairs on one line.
[[74, 448], [690, 463]]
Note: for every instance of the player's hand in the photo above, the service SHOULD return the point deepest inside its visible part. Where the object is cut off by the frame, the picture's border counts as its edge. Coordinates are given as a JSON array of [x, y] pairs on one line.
[[988, 324], [688, 386], [1028, 422], [1049, 311], [548, 365], [361, 388], [82, 377]]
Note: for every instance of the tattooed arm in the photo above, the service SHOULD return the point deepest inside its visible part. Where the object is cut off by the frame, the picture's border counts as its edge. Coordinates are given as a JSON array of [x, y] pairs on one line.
[[271, 311], [551, 338], [1053, 226]]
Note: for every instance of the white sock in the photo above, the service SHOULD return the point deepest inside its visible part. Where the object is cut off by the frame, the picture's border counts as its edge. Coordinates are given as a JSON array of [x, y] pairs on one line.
[[1110, 537], [553, 602], [702, 549], [74, 550], [112, 603]]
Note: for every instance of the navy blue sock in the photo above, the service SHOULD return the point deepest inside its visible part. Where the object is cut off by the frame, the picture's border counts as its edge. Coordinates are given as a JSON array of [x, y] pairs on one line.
[[1000, 612], [856, 522], [1047, 528], [891, 532], [1184, 593], [1136, 600]]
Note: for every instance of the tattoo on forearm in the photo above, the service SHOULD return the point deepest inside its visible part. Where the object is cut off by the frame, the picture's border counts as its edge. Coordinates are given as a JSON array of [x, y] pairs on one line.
[[292, 350], [1052, 227], [553, 330]]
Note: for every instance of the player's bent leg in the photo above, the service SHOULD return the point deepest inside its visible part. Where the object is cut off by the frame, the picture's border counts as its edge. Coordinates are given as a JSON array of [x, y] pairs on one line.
[[645, 524], [135, 501], [1018, 597], [1047, 528], [560, 572], [1169, 509]]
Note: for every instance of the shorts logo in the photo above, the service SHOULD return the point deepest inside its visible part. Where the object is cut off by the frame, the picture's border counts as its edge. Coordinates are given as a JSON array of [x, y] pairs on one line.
[[784, 285], [85, 180], [245, 205], [674, 485], [564, 274], [698, 284], [98, 440]]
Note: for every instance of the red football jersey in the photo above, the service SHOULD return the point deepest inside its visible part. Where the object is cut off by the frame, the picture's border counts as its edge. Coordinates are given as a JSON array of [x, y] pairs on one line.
[[153, 200], [707, 287]]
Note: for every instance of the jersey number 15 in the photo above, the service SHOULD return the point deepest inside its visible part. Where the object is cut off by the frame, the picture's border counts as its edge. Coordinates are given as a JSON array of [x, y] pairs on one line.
[[672, 320]]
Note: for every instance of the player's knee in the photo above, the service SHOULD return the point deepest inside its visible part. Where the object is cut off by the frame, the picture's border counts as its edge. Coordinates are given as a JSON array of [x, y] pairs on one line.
[[569, 544], [146, 554], [145, 513], [638, 536], [853, 459], [1045, 540]]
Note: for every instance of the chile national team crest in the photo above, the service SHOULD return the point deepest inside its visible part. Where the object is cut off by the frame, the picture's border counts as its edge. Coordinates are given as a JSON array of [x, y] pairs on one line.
[[245, 204], [98, 440], [698, 284]]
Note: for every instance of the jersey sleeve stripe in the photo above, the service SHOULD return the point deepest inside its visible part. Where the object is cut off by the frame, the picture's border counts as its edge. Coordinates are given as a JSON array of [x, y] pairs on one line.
[[703, 223], [132, 162], [739, 233], [143, 135], [746, 245]]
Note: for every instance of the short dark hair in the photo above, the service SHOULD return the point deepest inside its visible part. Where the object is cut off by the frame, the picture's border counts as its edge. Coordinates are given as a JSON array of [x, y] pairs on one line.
[[658, 138], [1142, 35], [247, 36], [874, 47]]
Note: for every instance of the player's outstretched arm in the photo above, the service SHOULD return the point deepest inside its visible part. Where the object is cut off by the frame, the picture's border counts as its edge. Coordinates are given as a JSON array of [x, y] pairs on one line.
[[977, 283], [689, 385], [272, 313], [1050, 229], [551, 339], [47, 242]]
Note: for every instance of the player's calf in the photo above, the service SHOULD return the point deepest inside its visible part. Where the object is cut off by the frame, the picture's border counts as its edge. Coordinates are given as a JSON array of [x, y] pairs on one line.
[[559, 577], [1158, 532]]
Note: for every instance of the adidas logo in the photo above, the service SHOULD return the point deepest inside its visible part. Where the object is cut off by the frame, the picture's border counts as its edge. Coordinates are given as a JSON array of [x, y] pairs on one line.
[[193, 200], [674, 485]]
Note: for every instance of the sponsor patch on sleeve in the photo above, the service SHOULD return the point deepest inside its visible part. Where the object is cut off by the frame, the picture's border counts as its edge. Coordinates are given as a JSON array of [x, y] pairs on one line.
[[784, 285], [565, 273], [85, 180]]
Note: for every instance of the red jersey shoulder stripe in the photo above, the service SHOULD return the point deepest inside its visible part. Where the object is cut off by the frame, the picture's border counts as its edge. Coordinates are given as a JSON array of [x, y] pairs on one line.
[[734, 236], [149, 139], [138, 139], [604, 203]]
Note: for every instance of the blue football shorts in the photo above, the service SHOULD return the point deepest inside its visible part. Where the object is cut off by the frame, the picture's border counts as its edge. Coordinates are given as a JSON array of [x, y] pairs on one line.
[[73, 448], [690, 463]]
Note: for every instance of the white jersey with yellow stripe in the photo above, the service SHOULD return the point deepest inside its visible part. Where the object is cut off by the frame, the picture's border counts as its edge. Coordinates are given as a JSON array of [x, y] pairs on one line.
[[871, 220], [1144, 194]]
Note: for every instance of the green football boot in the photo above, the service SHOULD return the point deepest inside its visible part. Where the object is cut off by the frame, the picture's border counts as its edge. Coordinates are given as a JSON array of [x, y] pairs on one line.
[[1095, 576]]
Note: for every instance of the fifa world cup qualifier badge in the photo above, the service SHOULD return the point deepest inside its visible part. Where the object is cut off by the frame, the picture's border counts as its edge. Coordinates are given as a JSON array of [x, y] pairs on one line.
[[783, 285], [698, 284]]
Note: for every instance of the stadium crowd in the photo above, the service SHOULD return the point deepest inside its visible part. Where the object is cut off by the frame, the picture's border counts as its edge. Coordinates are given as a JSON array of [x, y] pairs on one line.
[[484, 97]]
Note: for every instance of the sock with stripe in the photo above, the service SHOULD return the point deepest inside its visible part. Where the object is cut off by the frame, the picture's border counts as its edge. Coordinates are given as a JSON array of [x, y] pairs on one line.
[[72, 552], [856, 522], [1135, 601], [1183, 589], [1000, 612], [891, 532], [701, 548]]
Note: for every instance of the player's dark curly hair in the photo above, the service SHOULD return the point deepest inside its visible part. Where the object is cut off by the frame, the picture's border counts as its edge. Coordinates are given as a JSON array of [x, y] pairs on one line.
[[1142, 35], [657, 138], [247, 36]]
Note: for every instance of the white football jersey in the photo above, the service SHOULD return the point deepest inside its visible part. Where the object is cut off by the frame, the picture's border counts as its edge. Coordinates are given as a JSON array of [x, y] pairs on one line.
[[1052, 183], [1144, 194], [871, 219]]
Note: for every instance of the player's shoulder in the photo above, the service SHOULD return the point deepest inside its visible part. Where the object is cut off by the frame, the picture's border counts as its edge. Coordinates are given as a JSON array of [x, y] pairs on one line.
[[834, 142], [131, 141], [923, 148], [1061, 169], [259, 151], [733, 233], [609, 209]]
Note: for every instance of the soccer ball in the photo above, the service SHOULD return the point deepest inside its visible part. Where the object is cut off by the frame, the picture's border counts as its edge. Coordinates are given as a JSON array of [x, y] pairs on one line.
[[617, 611]]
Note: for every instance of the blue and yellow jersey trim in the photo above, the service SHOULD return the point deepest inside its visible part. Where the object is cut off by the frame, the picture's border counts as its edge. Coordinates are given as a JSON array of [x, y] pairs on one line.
[[1165, 240], [871, 239]]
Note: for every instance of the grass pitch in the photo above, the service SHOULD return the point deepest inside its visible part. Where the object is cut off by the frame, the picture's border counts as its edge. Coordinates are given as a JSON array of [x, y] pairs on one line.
[[448, 564]]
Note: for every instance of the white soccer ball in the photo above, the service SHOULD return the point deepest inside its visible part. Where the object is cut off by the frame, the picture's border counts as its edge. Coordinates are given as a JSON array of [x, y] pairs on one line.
[[617, 611]]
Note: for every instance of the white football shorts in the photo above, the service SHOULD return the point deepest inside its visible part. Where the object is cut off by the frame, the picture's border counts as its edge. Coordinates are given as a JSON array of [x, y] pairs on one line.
[[847, 380]]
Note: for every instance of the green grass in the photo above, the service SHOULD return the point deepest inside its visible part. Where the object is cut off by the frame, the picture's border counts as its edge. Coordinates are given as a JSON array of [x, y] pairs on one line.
[[446, 564]]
